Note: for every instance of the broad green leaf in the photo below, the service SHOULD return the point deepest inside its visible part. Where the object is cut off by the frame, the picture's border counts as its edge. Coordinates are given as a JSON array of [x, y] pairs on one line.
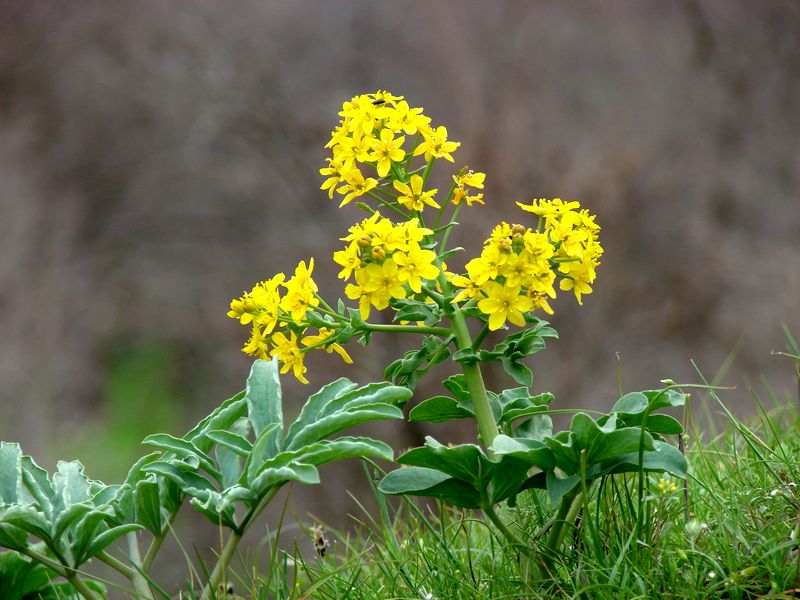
[[69, 516], [457, 385], [86, 533], [105, 539], [189, 482], [230, 453], [557, 487], [28, 519], [341, 448], [263, 397], [10, 472], [260, 452], [664, 398], [538, 427], [277, 476], [422, 481], [619, 442], [465, 461], [534, 453], [665, 458], [183, 449], [232, 441], [21, 578], [71, 485], [519, 372], [12, 537], [147, 499], [339, 421], [525, 407], [38, 486], [633, 403], [316, 403], [221, 417], [439, 409], [658, 423], [368, 395], [507, 479]]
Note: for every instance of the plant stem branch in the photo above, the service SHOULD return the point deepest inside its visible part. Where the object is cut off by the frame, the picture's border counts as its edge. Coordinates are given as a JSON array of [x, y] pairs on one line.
[[155, 545], [509, 535], [80, 585]]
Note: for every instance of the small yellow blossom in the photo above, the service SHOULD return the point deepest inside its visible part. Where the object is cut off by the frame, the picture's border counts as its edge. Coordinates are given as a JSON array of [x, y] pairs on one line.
[[413, 198]]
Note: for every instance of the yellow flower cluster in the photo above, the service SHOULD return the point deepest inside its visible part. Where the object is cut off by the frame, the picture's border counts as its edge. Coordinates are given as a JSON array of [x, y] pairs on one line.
[[386, 260], [518, 266], [264, 308], [372, 133], [666, 486]]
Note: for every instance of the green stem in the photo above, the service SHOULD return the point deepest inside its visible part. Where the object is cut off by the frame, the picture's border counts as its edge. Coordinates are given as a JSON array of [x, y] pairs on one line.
[[509, 535], [116, 564], [47, 562], [444, 331], [155, 545], [80, 585], [487, 426], [449, 229], [233, 543], [427, 171], [140, 584], [567, 511], [389, 205]]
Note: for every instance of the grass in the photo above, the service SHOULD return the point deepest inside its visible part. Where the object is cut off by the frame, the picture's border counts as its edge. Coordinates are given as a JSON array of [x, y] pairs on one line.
[[730, 532]]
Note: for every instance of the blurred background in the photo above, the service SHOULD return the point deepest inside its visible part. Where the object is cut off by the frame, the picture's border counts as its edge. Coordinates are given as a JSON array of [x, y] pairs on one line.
[[157, 158]]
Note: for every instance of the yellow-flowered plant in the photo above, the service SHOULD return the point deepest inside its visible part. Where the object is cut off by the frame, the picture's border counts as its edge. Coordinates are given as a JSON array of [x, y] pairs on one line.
[[382, 152], [394, 259]]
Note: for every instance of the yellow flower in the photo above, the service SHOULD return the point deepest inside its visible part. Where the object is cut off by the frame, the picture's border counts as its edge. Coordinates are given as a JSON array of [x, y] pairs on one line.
[[301, 292], [383, 280], [260, 305], [349, 259], [257, 344], [504, 304], [356, 186], [333, 172], [387, 150], [407, 119], [415, 265], [577, 278], [318, 340], [436, 145], [288, 352], [548, 208], [413, 198]]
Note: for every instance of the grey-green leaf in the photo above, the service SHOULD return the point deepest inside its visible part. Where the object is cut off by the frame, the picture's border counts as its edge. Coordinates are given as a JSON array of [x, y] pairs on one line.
[[263, 398], [148, 505], [10, 472], [339, 421]]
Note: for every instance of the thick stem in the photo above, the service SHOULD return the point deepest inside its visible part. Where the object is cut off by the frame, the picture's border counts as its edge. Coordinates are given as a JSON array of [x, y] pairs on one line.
[[509, 535], [155, 545], [487, 426], [222, 564], [233, 543], [567, 511], [80, 585], [140, 584]]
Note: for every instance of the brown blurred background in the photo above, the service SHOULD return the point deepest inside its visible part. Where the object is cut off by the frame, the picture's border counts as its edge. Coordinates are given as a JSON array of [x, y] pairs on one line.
[[157, 158]]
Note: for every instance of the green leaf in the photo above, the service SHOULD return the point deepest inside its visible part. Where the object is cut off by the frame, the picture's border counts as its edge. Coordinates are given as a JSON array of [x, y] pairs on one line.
[[221, 417], [439, 409], [12, 537], [633, 403], [664, 458], [85, 534], [421, 481], [664, 398], [263, 397], [182, 449], [28, 519], [37, 484], [342, 420], [557, 487], [71, 485], [109, 536], [538, 427], [416, 310], [147, 499], [408, 370], [317, 402], [663, 424], [189, 482], [260, 452], [296, 471], [232, 441], [341, 448], [519, 372], [230, 453], [465, 461], [69, 516], [525, 406], [10, 472], [534, 453]]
